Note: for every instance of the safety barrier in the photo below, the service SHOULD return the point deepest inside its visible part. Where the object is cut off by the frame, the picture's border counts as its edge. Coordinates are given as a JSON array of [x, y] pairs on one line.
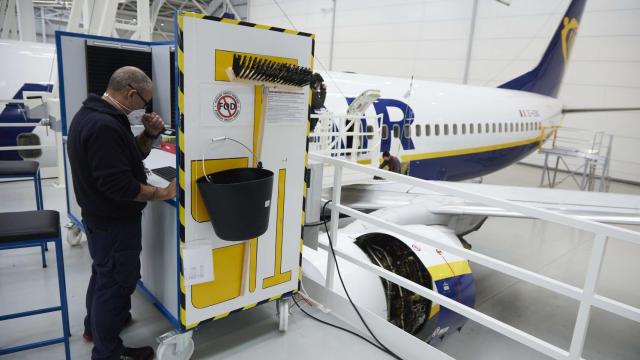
[[586, 295]]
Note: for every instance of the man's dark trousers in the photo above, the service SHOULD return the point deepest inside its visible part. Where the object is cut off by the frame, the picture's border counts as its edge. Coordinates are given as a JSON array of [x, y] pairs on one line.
[[115, 250]]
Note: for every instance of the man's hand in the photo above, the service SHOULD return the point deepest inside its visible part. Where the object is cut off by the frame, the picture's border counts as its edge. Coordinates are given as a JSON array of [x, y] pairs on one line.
[[153, 124], [150, 193], [169, 192]]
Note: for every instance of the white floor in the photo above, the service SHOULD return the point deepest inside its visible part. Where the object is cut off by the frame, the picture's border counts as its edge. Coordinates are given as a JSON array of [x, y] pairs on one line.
[[552, 250]]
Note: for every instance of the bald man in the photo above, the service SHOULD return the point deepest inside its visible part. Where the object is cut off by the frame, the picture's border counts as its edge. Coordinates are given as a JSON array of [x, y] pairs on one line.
[[110, 185]]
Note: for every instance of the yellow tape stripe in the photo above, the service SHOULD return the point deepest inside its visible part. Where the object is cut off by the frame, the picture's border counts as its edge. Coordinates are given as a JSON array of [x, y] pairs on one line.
[[181, 144], [230, 21], [181, 102], [443, 271], [183, 319], [193, 15], [221, 316], [435, 309], [237, 22], [249, 306], [181, 175], [180, 60]]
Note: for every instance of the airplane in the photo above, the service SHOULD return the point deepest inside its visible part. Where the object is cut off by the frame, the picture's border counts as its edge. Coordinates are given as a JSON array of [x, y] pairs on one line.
[[449, 132], [443, 132]]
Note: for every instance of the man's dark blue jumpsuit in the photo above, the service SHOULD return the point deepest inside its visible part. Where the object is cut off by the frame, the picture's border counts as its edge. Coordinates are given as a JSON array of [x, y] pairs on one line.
[[107, 170]]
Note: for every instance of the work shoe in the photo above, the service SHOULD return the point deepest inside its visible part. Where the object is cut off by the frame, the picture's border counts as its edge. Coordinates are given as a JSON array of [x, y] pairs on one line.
[[141, 353], [89, 338]]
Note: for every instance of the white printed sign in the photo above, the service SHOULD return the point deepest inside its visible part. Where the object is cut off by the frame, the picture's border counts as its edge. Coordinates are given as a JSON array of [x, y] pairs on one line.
[[197, 260]]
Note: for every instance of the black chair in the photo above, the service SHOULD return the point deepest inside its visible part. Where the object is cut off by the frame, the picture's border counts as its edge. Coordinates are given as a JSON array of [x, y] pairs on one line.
[[26, 169], [31, 229]]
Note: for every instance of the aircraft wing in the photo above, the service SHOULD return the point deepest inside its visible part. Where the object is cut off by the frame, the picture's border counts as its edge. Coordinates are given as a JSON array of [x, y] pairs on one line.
[[602, 207]]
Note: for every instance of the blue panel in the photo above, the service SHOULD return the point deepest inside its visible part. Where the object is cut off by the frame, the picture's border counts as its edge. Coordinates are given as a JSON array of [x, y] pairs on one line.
[[461, 167], [461, 288]]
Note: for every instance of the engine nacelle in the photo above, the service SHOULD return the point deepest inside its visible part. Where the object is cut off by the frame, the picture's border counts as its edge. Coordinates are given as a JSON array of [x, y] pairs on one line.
[[430, 267]]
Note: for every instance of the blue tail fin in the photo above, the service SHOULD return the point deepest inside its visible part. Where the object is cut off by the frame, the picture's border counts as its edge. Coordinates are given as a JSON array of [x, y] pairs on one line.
[[546, 77]]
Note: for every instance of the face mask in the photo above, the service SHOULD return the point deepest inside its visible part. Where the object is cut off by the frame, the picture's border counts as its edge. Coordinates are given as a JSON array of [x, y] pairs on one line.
[[134, 116]]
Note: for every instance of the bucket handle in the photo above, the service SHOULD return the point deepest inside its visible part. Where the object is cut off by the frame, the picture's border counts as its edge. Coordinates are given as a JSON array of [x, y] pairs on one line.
[[223, 138]]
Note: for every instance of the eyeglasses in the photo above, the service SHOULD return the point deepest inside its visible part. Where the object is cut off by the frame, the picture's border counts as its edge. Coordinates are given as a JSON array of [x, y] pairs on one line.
[[147, 104]]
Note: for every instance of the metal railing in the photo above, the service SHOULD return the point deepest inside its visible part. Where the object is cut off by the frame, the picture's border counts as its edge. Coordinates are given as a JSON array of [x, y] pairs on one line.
[[353, 137], [586, 296], [584, 155]]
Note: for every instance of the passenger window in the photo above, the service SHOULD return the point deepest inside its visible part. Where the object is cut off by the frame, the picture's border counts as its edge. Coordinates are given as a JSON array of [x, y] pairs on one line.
[[437, 129], [455, 129], [396, 131], [385, 132], [493, 128], [407, 131], [418, 130], [427, 130], [479, 128], [446, 129], [500, 127], [526, 126], [486, 128], [370, 132]]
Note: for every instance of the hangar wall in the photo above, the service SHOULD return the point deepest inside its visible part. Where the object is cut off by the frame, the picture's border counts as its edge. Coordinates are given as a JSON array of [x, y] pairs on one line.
[[429, 39]]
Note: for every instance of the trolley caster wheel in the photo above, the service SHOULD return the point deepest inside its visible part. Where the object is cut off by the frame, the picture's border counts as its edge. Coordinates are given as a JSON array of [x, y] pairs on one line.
[[283, 314], [74, 235], [175, 346]]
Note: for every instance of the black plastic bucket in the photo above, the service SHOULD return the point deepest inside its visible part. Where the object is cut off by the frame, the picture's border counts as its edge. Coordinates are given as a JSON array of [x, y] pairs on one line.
[[238, 202]]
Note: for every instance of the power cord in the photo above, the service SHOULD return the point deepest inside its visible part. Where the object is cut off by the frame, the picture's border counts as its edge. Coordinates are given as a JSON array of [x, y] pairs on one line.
[[381, 347], [336, 326]]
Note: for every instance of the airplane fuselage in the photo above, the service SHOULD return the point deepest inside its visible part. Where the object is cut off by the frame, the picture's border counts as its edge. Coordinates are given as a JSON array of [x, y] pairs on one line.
[[449, 131]]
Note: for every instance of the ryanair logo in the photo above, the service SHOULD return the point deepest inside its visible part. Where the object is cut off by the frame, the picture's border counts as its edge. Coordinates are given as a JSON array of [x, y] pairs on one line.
[[568, 35]]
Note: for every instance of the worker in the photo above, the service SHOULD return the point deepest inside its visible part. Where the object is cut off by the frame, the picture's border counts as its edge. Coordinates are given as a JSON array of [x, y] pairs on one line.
[[109, 182], [391, 162], [318, 95]]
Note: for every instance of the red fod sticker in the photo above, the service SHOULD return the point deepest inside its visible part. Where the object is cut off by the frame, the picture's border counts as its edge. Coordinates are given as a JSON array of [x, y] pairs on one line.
[[226, 106]]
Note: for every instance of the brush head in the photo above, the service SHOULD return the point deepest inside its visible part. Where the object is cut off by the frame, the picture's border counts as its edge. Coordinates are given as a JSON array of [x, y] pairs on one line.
[[257, 69]]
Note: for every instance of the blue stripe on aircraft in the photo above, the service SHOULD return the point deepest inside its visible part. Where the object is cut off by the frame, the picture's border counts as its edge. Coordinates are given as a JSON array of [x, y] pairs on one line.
[[461, 288], [461, 167]]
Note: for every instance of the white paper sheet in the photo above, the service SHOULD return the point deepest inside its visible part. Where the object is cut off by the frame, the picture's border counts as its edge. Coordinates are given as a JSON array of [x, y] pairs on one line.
[[197, 260]]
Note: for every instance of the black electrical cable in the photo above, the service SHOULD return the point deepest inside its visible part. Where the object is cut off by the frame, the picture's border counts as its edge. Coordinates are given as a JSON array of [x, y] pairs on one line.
[[313, 224], [384, 348], [337, 326]]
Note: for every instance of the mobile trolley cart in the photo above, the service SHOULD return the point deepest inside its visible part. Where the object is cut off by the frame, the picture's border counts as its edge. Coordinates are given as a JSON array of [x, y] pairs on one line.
[[233, 111]]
